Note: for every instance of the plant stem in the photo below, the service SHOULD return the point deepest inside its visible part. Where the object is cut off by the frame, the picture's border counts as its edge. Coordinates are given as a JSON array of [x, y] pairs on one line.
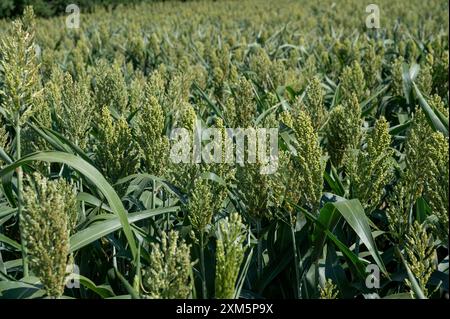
[[259, 250], [153, 194], [164, 196], [19, 202], [83, 207], [202, 268], [296, 261]]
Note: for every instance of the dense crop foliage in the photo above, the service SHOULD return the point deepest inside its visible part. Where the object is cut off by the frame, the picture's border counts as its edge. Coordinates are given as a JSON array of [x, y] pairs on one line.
[[357, 208], [48, 8]]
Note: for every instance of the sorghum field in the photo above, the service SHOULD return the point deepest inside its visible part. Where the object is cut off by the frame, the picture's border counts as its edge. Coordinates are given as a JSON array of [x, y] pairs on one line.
[[93, 206]]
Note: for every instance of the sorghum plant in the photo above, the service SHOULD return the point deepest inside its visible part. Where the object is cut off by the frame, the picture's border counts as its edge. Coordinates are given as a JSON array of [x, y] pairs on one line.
[[371, 169], [344, 130], [168, 275], [229, 255], [117, 152], [19, 73], [420, 255], [50, 216]]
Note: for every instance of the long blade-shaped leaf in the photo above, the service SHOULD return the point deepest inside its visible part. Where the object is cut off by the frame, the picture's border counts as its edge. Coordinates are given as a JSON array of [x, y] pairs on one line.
[[103, 228], [355, 216], [91, 173], [438, 122]]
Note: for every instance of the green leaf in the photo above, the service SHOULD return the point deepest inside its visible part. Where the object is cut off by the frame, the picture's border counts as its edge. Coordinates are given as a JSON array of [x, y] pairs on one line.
[[5, 157], [415, 285], [407, 82], [94, 201], [243, 275], [102, 291], [357, 262], [355, 216], [7, 211], [60, 142], [334, 270], [438, 123], [89, 172], [353, 213], [422, 210], [105, 227], [25, 288], [9, 241], [134, 294], [208, 100], [397, 129], [366, 110]]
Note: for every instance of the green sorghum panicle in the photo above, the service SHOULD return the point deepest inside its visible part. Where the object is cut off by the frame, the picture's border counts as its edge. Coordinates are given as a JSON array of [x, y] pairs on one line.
[[135, 48], [168, 275], [424, 79], [269, 73], [420, 256], [436, 188], [178, 90], [52, 89], [19, 70], [300, 171], [419, 154], [3, 139], [373, 66], [260, 64], [50, 216], [426, 163], [308, 161], [30, 140], [110, 88], [343, 130], [229, 110], [156, 85], [314, 103], [398, 212], [136, 93], [116, 151], [154, 145], [201, 206], [76, 110], [353, 82], [329, 290], [224, 169], [186, 117], [230, 252], [255, 189], [397, 77], [183, 175], [372, 168], [245, 105], [440, 74]]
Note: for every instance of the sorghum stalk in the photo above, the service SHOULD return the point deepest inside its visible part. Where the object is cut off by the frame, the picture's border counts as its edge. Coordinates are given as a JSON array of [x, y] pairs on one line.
[[19, 201], [259, 249], [83, 208], [153, 193], [202, 266], [296, 261]]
